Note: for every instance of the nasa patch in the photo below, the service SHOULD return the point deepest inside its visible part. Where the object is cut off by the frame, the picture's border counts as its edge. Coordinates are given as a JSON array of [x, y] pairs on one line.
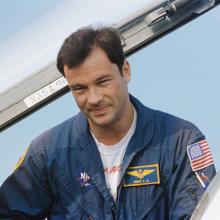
[[84, 179]]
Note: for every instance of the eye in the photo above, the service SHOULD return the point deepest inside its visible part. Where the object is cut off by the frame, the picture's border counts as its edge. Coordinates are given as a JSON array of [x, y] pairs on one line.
[[78, 89], [104, 82]]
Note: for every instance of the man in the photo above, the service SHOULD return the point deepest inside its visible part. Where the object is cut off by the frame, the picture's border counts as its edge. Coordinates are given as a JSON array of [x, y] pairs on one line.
[[116, 159]]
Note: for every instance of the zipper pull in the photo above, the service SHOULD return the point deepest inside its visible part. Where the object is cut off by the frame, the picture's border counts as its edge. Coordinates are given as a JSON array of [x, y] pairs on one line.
[[193, 193]]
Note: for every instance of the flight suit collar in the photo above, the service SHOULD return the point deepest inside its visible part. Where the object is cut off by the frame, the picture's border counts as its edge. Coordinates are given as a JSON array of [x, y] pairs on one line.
[[89, 156], [143, 133], [145, 123]]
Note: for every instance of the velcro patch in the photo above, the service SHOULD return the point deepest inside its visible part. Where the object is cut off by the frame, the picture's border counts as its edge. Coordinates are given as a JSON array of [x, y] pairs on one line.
[[142, 175], [21, 159], [199, 155]]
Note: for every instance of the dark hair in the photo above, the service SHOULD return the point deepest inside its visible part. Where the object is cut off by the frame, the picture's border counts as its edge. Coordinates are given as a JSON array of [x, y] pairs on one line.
[[77, 47]]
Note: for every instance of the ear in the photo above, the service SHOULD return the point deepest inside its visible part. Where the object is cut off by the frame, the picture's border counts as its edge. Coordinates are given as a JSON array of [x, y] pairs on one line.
[[126, 71]]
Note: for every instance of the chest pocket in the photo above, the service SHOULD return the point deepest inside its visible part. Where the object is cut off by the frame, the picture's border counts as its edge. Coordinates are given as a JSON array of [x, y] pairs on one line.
[[142, 199], [71, 201]]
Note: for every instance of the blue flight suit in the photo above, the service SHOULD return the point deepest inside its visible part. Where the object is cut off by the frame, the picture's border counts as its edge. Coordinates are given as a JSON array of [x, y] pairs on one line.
[[62, 175]]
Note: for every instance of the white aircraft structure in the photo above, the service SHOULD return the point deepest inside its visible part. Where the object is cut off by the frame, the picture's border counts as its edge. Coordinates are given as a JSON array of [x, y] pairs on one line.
[[208, 207], [158, 18]]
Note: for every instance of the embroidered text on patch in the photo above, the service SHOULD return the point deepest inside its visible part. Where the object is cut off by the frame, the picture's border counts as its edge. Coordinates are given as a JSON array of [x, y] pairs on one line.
[[199, 155]]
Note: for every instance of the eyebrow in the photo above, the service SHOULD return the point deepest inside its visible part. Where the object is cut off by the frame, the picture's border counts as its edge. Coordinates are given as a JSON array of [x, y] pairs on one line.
[[103, 77], [76, 86]]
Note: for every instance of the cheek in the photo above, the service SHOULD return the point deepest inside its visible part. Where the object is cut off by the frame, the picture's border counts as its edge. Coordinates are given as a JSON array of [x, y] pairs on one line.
[[80, 100], [116, 87], [120, 90]]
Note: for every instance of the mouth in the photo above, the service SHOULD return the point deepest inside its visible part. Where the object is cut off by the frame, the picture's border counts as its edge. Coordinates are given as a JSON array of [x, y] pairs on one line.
[[99, 110]]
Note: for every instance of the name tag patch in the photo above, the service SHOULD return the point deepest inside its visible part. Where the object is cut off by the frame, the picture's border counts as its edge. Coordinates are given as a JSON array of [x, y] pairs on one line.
[[142, 175]]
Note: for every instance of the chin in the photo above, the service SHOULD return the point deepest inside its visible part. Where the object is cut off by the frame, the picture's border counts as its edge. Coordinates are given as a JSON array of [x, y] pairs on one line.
[[102, 122]]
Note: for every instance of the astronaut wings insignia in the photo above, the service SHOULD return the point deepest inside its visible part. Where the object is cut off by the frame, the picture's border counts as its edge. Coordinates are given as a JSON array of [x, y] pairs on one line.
[[142, 175]]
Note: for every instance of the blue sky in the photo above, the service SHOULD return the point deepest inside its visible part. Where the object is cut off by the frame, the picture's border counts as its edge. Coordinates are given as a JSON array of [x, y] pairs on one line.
[[34, 30], [178, 74]]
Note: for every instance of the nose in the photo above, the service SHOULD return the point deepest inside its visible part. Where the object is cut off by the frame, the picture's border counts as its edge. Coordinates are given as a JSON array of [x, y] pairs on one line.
[[94, 96]]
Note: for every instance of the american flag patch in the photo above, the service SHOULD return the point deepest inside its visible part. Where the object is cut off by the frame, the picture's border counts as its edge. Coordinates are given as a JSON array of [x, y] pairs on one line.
[[199, 155]]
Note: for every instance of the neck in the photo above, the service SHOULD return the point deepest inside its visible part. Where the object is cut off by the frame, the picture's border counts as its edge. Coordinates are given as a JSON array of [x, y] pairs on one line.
[[112, 134]]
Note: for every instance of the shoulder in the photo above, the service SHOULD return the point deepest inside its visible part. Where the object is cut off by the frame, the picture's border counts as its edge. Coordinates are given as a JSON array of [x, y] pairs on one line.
[[178, 133], [172, 128], [165, 125], [174, 123], [171, 121], [56, 137], [164, 120]]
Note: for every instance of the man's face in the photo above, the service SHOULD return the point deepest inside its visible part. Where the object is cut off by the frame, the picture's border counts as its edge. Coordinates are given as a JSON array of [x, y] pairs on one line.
[[100, 90]]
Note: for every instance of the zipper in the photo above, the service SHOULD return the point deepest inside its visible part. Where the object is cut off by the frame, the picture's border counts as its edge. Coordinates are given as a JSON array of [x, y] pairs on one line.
[[193, 193]]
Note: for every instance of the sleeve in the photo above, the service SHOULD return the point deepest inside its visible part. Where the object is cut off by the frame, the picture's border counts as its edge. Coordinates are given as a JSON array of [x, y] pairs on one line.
[[26, 194], [193, 169]]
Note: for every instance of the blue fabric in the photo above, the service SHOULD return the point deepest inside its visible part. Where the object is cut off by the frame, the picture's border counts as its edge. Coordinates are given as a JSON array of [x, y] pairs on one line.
[[62, 174]]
